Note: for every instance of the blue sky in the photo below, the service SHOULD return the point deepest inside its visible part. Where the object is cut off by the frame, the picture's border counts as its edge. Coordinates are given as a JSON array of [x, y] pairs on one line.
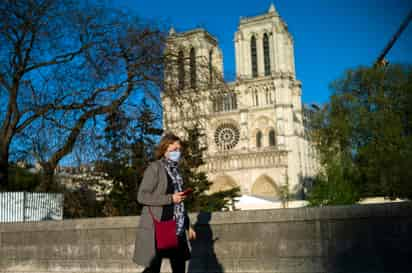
[[330, 35]]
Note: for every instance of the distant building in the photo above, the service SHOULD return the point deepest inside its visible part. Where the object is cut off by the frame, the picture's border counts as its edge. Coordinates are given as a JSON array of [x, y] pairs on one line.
[[85, 175]]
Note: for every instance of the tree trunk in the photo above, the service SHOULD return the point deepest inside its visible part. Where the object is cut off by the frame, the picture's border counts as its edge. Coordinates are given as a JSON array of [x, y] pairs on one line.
[[4, 178], [4, 168], [47, 183]]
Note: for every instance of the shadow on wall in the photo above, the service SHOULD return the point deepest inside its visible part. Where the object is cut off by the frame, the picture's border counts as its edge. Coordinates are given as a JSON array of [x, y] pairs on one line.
[[204, 258], [369, 246]]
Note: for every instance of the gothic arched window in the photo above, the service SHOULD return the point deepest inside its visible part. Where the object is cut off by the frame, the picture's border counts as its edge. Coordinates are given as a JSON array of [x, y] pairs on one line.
[[256, 97], [192, 68], [226, 103], [271, 96], [259, 139], [267, 93], [181, 70], [253, 53], [220, 104], [266, 56], [234, 101], [211, 66], [272, 140]]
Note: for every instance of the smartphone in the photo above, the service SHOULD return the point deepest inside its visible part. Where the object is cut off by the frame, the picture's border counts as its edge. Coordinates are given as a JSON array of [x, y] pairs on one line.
[[187, 191]]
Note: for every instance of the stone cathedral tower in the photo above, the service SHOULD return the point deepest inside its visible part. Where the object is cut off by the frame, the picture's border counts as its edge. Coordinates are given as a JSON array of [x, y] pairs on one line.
[[255, 134]]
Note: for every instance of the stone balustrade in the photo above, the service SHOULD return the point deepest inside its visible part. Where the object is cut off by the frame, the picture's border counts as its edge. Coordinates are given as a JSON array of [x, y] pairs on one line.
[[260, 159]]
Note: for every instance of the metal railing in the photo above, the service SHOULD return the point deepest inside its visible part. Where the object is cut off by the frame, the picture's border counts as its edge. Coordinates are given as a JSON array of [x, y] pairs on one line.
[[30, 206]]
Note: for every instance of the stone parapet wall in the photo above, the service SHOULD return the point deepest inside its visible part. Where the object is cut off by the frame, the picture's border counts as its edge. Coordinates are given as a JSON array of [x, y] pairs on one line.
[[359, 238]]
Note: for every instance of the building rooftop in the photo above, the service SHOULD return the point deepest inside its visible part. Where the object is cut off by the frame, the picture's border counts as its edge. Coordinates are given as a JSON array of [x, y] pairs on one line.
[[193, 32], [270, 13]]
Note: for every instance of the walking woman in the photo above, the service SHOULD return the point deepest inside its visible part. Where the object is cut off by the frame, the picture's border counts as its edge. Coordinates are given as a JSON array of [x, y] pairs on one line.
[[162, 194]]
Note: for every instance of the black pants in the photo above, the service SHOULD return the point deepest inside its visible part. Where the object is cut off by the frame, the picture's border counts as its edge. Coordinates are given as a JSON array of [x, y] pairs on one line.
[[177, 263], [177, 258]]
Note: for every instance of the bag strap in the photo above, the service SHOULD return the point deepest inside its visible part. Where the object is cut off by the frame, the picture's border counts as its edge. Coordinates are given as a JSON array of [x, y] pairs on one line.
[[151, 214], [154, 218], [160, 165]]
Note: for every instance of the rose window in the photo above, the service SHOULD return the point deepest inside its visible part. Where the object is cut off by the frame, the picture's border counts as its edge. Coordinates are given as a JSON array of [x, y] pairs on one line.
[[227, 136]]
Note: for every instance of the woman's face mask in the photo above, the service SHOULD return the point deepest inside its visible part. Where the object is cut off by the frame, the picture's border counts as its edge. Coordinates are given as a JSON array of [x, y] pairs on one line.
[[174, 155]]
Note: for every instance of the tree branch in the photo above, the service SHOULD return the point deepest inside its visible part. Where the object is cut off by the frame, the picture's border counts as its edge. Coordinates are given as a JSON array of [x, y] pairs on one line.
[[75, 131], [59, 59], [4, 82]]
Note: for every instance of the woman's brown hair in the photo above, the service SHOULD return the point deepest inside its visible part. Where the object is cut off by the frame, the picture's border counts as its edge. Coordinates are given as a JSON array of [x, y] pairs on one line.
[[166, 140]]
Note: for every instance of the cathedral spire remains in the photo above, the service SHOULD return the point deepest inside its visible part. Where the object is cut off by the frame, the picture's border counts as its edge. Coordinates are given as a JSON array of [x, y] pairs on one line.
[[272, 8]]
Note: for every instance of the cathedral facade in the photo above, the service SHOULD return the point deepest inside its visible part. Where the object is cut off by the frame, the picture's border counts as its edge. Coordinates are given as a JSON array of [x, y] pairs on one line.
[[255, 133]]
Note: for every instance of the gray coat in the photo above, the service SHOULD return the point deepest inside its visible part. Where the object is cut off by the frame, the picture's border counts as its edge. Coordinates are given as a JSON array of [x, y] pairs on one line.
[[152, 192]]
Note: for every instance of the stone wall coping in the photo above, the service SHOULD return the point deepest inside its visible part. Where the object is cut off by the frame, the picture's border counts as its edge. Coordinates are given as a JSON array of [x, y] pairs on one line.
[[399, 209]]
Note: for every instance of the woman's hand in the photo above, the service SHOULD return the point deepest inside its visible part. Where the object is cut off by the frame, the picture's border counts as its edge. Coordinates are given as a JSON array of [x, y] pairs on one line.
[[178, 197], [192, 234]]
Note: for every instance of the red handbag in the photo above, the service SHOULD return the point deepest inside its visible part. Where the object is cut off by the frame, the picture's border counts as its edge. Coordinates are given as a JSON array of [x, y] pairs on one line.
[[165, 233]]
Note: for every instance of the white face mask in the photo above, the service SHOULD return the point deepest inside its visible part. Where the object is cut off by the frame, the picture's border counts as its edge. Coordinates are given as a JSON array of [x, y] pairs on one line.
[[174, 155]]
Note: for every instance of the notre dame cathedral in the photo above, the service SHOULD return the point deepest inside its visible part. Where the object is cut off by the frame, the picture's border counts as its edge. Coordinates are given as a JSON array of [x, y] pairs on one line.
[[255, 131]]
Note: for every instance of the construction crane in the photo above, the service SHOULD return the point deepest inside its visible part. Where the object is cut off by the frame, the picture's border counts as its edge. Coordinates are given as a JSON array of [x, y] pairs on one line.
[[381, 61]]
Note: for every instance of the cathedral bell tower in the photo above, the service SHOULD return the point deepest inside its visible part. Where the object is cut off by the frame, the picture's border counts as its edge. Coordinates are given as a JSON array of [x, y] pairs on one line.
[[193, 64], [264, 46], [194, 59]]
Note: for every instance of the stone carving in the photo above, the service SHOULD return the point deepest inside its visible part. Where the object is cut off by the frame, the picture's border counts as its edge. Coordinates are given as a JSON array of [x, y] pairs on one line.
[[264, 186], [226, 136]]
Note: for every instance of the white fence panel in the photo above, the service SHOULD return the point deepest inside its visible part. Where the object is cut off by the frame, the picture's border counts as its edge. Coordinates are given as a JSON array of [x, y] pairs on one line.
[[29, 206]]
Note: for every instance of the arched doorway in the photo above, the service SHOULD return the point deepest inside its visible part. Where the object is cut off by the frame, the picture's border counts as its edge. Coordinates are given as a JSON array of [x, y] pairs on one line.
[[222, 183], [264, 186]]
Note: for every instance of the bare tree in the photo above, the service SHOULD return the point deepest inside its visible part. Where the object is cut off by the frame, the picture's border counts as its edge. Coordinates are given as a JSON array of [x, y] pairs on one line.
[[63, 65], [32, 43]]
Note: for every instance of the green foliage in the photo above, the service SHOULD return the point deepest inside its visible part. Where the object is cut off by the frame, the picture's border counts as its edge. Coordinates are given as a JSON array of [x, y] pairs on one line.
[[335, 186], [131, 146], [80, 203], [285, 193], [197, 180], [364, 136], [21, 179]]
